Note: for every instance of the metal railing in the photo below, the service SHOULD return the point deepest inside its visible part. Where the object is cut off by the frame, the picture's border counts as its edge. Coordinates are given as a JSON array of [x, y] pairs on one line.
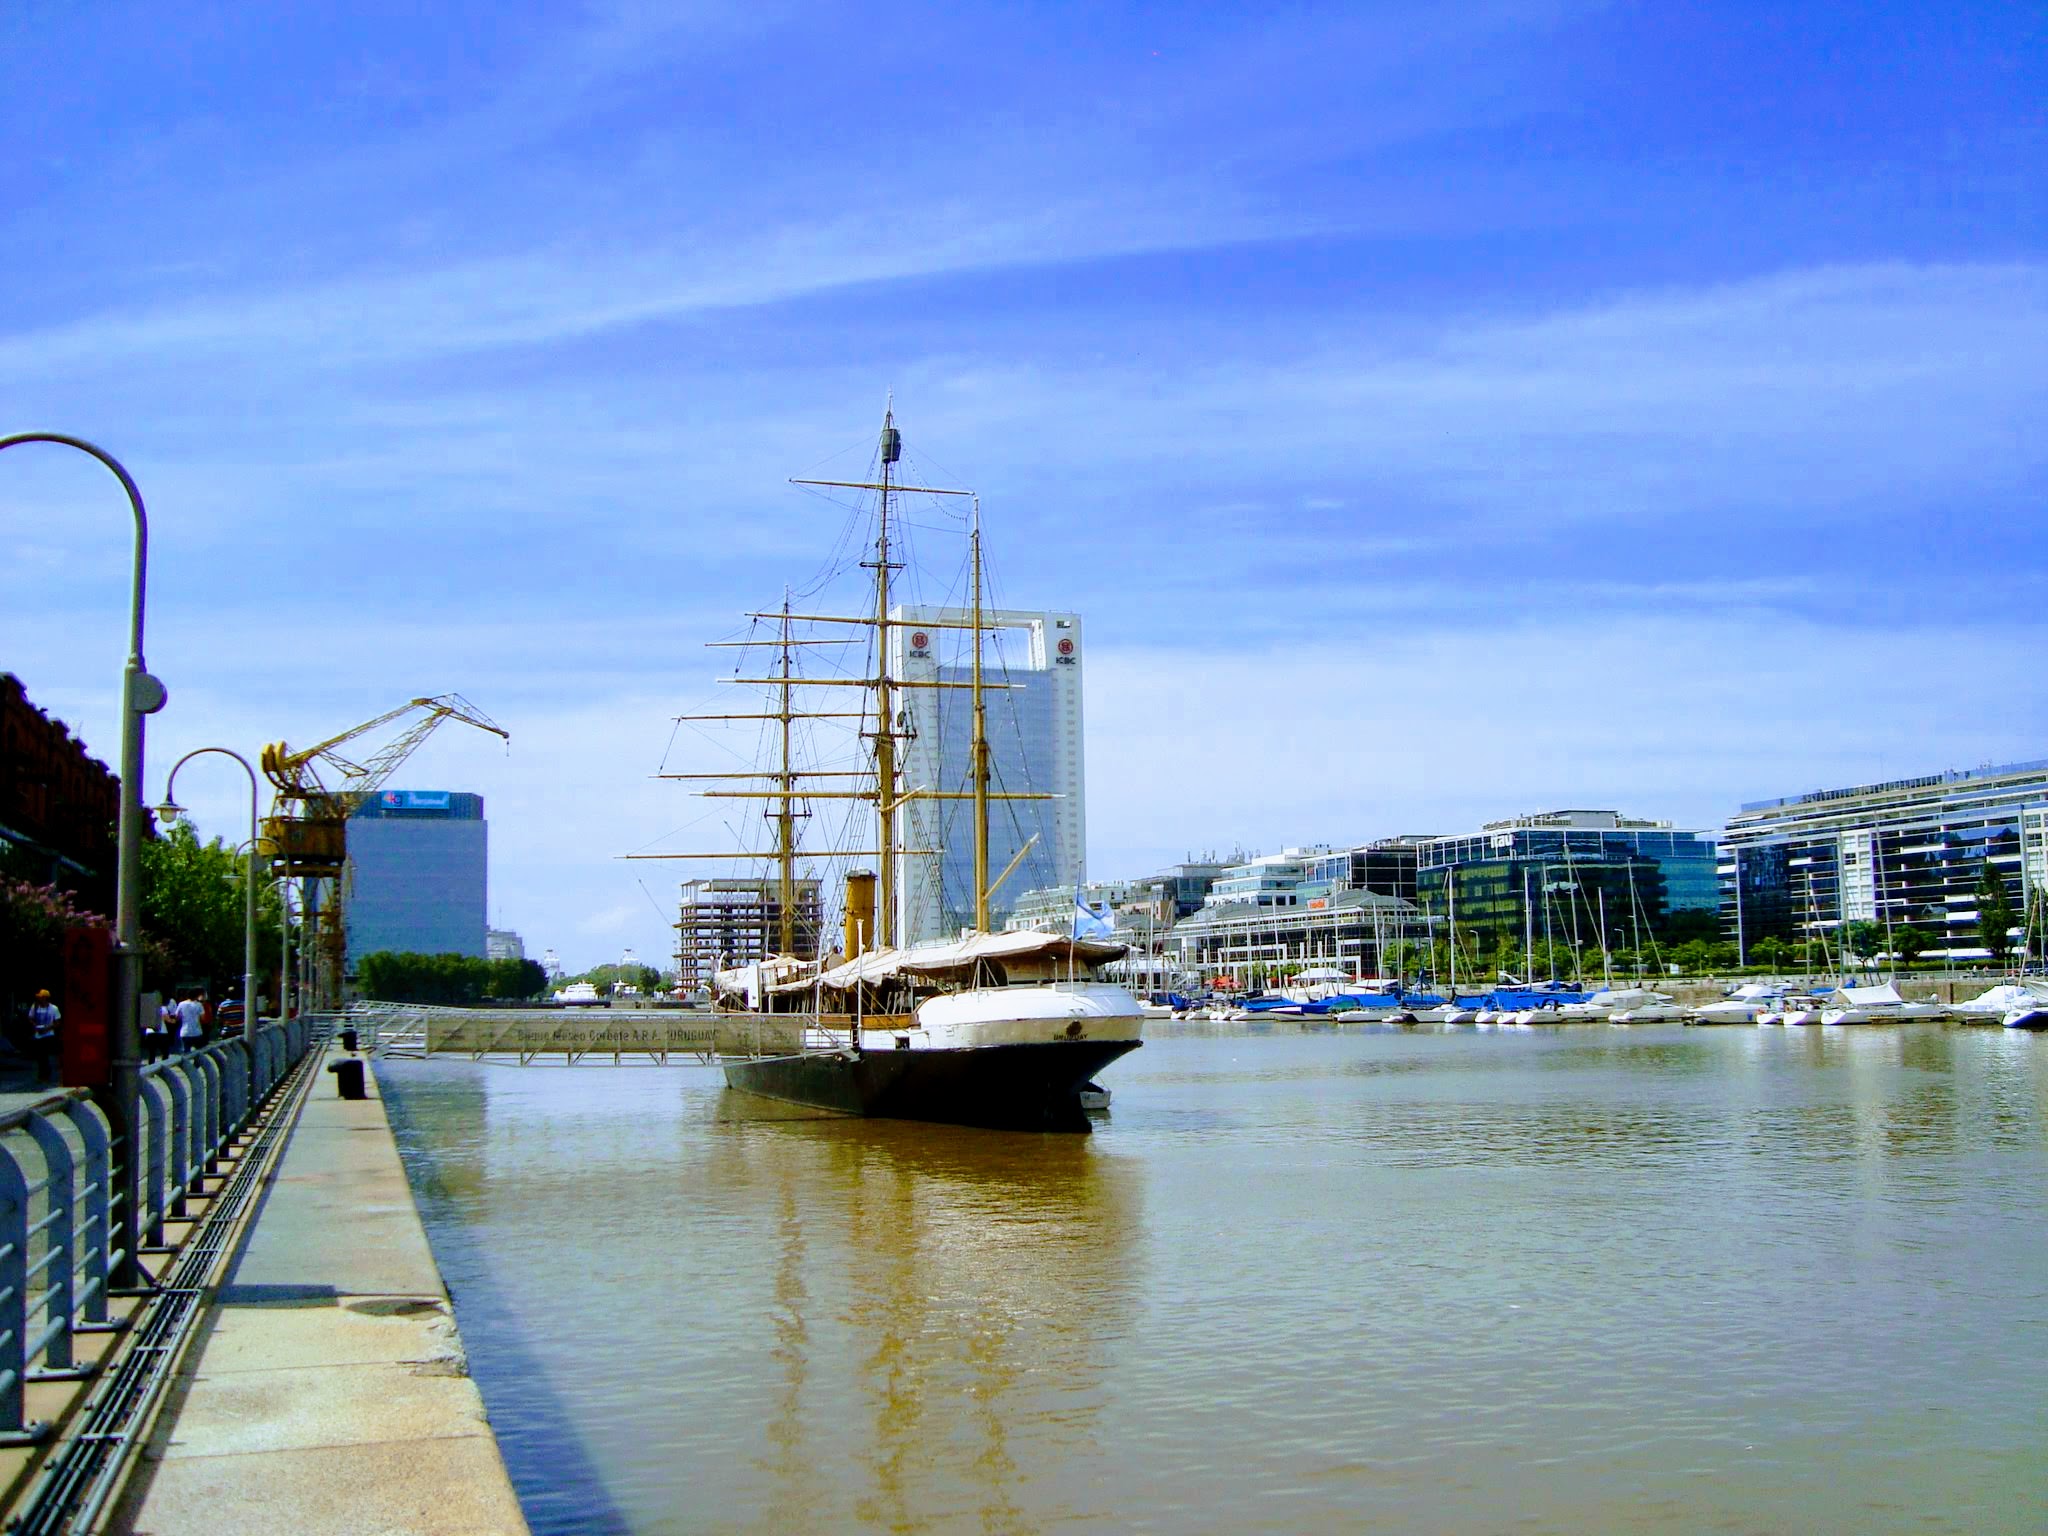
[[388, 1029], [59, 1199]]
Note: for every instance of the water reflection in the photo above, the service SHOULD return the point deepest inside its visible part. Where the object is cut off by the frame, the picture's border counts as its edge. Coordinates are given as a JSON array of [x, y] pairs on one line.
[[1657, 1279], [938, 1294]]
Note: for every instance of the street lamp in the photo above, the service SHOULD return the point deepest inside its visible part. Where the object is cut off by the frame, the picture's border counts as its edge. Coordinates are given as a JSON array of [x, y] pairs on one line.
[[141, 695], [168, 813]]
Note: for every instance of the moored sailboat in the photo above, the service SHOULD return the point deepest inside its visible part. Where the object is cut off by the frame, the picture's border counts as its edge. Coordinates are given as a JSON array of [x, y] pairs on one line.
[[986, 1029]]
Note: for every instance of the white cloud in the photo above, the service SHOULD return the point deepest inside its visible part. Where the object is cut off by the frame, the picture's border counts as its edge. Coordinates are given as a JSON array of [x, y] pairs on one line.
[[1392, 731]]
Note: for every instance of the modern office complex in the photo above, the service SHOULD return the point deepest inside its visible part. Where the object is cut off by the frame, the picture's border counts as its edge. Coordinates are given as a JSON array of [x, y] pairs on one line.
[[419, 874], [1347, 930], [1558, 876], [729, 922], [1907, 853], [1151, 904], [1034, 733], [1269, 880]]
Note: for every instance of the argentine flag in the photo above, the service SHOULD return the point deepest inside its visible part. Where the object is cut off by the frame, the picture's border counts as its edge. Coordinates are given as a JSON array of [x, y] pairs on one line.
[[1091, 922]]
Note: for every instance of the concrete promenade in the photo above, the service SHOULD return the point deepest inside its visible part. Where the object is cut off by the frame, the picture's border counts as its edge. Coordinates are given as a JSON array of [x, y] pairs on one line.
[[327, 1391]]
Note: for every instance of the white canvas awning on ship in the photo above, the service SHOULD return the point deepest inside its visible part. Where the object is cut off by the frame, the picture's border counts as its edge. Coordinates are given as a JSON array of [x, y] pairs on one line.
[[777, 973], [964, 954]]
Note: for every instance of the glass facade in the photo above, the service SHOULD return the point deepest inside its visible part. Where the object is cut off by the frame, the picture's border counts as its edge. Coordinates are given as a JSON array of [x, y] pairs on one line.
[[1561, 876], [418, 875], [1033, 709], [1906, 853]]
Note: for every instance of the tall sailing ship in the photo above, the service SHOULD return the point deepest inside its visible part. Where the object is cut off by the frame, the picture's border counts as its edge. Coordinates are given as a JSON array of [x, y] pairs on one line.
[[984, 1028]]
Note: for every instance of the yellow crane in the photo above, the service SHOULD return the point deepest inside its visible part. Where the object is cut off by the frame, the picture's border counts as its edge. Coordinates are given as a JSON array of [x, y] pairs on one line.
[[308, 824]]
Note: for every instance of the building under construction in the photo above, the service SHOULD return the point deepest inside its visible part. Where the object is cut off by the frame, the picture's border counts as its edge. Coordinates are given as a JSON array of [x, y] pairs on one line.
[[729, 922]]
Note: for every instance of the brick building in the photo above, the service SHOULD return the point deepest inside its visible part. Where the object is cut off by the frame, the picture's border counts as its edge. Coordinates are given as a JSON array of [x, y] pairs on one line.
[[58, 804]]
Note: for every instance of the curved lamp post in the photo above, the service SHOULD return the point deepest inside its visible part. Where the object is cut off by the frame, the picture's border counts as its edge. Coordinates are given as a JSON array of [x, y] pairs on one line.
[[169, 812], [141, 695]]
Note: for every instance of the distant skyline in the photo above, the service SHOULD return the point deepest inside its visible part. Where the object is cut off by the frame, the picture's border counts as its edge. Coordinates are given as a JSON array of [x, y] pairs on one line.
[[1435, 414]]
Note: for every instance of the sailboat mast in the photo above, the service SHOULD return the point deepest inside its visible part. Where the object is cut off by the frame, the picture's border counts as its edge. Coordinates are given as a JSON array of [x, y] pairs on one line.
[[981, 774], [885, 711], [785, 816]]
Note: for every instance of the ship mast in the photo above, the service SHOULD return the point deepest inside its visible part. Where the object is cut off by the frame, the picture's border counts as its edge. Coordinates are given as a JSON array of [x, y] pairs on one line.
[[885, 713], [785, 815], [980, 765]]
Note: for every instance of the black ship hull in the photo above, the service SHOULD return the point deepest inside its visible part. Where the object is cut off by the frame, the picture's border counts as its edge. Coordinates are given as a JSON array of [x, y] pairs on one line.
[[1029, 1087]]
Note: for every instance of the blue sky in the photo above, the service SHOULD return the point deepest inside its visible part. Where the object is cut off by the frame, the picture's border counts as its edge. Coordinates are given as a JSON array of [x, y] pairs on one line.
[[1435, 412]]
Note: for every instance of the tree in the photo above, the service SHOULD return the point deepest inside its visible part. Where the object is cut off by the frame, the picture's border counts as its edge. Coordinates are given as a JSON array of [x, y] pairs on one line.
[[1863, 938], [1995, 914], [454, 980], [1699, 956], [1770, 952], [516, 979], [33, 922], [1909, 944], [193, 907]]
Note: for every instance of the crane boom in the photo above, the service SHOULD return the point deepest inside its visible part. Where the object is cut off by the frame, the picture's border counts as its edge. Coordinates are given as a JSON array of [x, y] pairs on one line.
[[308, 824], [296, 773]]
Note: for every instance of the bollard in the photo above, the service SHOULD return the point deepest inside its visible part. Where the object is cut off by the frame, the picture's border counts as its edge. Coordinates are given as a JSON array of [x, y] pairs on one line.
[[348, 1077], [348, 1040]]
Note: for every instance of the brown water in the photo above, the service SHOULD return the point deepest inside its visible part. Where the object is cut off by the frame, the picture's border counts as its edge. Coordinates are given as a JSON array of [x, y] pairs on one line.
[[1578, 1280]]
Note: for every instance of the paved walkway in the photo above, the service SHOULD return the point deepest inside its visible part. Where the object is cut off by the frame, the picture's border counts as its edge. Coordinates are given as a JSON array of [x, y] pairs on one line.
[[328, 1391]]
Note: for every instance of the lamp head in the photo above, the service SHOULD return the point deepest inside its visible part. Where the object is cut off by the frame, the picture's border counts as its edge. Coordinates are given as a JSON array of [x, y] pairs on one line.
[[168, 813]]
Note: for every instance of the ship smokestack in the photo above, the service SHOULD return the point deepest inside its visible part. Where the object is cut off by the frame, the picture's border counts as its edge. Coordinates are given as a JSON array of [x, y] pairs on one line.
[[860, 910]]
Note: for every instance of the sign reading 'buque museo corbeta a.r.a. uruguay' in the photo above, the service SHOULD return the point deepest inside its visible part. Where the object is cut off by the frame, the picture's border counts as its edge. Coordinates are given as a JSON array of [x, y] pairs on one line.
[[599, 1030]]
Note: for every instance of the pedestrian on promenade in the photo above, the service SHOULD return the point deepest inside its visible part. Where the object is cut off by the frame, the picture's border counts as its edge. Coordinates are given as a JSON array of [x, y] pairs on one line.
[[191, 1026], [157, 1032], [42, 1019]]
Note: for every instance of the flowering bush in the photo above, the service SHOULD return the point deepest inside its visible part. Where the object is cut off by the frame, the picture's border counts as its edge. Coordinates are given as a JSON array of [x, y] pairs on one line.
[[33, 921]]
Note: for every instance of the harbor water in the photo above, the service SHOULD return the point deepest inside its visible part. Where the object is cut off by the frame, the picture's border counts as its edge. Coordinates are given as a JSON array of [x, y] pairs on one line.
[[1587, 1280]]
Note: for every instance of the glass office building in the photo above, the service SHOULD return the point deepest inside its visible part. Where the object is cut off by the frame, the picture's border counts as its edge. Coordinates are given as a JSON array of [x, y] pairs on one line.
[[1908, 852], [1561, 875], [419, 875], [1034, 736]]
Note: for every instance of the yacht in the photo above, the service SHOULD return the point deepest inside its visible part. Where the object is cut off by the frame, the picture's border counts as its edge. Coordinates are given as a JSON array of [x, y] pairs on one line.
[[1745, 1005], [1880, 1004]]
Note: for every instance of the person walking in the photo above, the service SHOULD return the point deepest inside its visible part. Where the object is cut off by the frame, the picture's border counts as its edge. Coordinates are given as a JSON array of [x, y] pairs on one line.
[[191, 1025], [159, 1032], [43, 1018]]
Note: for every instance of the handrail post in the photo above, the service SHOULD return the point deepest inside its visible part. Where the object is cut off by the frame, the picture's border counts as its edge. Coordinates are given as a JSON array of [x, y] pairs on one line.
[[92, 1131], [205, 1114], [14, 1303], [59, 1285], [153, 1105]]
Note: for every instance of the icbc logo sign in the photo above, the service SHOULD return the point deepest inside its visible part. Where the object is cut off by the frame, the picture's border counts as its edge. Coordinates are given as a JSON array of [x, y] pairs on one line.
[[1066, 650], [920, 643]]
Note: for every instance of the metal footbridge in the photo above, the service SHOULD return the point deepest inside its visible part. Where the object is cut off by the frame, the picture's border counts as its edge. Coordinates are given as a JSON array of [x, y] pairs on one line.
[[544, 1036]]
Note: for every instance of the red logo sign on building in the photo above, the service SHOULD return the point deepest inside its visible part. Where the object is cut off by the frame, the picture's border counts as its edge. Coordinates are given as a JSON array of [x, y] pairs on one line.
[[1066, 647], [919, 640]]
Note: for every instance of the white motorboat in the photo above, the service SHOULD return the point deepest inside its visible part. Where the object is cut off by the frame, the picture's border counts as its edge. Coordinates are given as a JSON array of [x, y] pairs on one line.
[[1598, 1007], [1657, 1008], [1744, 1005], [2029, 1016], [1875, 1005]]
